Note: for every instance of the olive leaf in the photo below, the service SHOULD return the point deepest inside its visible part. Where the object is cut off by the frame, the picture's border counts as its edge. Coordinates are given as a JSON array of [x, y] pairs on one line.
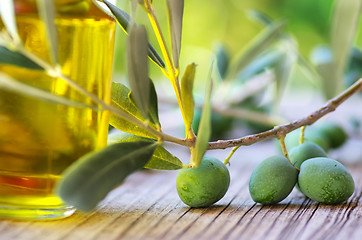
[[260, 43], [7, 15], [47, 13], [138, 68], [188, 104], [344, 28], [161, 158], [204, 131], [260, 16], [266, 60], [222, 59], [121, 100], [284, 65], [153, 107], [322, 59], [124, 20], [175, 12], [15, 58], [87, 181], [10, 84]]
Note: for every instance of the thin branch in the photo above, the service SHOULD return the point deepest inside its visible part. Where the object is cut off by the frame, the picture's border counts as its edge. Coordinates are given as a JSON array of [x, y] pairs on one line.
[[281, 130], [172, 72]]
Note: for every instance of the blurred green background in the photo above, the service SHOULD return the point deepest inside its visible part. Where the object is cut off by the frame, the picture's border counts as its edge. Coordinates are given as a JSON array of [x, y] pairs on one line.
[[229, 22]]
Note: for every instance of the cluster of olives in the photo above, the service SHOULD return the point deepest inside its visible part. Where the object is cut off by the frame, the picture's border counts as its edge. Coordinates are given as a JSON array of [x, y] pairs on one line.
[[309, 170]]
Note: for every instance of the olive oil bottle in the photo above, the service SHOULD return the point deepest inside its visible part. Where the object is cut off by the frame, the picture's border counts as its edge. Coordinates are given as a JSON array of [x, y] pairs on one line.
[[39, 139]]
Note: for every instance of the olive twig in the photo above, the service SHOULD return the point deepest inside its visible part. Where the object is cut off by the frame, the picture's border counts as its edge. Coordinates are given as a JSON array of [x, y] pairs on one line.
[[284, 148], [227, 160], [301, 138]]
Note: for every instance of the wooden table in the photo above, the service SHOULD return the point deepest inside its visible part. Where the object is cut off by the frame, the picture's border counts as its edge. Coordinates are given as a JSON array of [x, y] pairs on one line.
[[146, 206]]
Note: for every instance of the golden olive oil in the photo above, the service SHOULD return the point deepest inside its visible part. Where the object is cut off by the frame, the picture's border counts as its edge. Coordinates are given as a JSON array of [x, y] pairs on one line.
[[39, 139]]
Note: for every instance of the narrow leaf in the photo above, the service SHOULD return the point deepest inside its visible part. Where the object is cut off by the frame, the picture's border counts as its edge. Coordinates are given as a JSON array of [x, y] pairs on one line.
[[284, 66], [15, 58], [322, 58], [260, 16], [153, 108], [344, 28], [7, 14], [124, 20], [204, 131], [261, 42], [47, 13], [222, 60], [175, 12], [188, 104], [138, 68], [161, 158], [121, 100], [328, 77], [266, 60], [86, 182], [10, 84]]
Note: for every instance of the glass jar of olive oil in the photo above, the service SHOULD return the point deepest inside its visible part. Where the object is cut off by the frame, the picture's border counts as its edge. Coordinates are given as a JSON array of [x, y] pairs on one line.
[[39, 139]]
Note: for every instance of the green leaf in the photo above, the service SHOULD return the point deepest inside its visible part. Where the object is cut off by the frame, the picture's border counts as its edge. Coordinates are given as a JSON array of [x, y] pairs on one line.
[[15, 58], [266, 60], [124, 20], [284, 65], [153, 108], [7, 15], [10, 84], [260, 43], [121, 100], [175, 12], [188, 104], [138, 68], [161, 158], [326, 70], [322, 58], [344, 28], [47, 13], [86, 182], [222, 59], [204, 131], [260, 16]]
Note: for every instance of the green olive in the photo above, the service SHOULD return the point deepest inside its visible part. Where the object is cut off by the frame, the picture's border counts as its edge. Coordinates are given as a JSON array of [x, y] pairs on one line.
[[272, 180], [305, 151], [311, 134], [334, 133], [204, 185], [325, 180]]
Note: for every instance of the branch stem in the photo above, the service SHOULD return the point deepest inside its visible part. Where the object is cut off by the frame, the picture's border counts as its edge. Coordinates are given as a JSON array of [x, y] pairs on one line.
[[281, 130], [172, 72]]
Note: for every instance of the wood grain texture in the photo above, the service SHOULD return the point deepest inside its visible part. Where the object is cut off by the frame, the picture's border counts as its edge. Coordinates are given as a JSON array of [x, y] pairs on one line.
[[146, 206]]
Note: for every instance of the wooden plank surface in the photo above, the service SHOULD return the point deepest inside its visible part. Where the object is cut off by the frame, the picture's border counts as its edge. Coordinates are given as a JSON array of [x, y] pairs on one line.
[[146, 206]]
